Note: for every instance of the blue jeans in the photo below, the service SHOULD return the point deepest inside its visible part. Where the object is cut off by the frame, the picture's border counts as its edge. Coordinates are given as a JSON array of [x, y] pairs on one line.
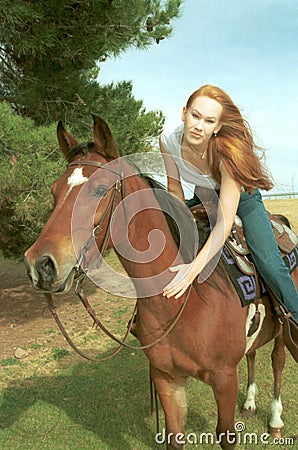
[[264, 250]]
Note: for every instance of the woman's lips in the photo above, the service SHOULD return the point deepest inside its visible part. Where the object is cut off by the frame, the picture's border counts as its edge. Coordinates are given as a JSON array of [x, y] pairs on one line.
[[196, 135]]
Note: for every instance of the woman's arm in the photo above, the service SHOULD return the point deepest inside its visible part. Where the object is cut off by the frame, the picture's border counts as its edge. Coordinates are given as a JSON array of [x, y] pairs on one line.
[[228, 203], [173, 178]]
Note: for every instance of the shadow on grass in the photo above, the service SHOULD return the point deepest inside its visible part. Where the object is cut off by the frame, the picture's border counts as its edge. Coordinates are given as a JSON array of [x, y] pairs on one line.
[[96, 397], [85, 406], [106, 406]]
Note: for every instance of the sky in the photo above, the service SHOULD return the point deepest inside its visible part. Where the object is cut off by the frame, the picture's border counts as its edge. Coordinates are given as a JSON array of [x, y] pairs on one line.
[[249, 48]]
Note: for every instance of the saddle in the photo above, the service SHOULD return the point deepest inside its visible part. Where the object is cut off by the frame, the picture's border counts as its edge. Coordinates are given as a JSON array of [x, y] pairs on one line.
[[286, 239]]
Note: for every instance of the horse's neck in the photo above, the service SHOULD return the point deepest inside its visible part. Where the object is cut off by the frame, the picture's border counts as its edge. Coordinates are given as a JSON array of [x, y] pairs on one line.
[[144, 244]]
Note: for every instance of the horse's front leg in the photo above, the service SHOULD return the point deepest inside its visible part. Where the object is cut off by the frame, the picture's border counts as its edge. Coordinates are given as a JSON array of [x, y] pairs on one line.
[[171, 392], [225, 389], [278, 361]]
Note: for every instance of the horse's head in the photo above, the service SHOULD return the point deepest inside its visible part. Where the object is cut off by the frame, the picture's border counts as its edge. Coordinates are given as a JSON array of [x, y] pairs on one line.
[[52, 259]]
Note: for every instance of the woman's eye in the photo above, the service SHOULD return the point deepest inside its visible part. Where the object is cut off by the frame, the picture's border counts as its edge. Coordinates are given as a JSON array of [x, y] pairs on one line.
[[100, 191]]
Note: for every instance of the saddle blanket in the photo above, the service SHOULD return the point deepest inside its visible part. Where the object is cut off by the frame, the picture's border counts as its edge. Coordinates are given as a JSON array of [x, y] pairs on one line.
[[246, 285]]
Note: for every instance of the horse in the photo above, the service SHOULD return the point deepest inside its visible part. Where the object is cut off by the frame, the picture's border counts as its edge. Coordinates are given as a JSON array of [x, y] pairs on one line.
[[209, 339]]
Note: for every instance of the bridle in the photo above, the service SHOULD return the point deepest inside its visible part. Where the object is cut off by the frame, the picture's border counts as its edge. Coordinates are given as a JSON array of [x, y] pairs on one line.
[[82, 268], [118, 189]]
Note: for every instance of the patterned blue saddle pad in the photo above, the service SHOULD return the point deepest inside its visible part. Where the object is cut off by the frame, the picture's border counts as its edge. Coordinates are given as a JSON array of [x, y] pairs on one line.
[[246, 285]]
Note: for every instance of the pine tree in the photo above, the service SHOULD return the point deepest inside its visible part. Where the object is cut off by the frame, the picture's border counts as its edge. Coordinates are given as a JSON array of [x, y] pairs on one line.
[[50, 49]]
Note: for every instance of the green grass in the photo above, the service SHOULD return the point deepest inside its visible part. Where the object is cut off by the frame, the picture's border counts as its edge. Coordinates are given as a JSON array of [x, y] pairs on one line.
[[59, 353], [9, 362], [78, 405], [53, 400], [82, 406]]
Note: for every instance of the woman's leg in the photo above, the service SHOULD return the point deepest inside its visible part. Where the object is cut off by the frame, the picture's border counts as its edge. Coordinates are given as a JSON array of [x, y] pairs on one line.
[[264, 250]]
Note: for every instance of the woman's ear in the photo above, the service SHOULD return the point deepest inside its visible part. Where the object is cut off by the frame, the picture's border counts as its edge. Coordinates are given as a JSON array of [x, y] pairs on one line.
[[184, 111], [218, 128]]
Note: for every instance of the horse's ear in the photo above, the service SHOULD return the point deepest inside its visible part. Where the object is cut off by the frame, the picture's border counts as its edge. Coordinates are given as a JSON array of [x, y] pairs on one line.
[[66, 140], [103, 138]]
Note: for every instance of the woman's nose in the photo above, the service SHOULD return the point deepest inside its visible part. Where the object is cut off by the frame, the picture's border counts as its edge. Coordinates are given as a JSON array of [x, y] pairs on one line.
[[199, 124]]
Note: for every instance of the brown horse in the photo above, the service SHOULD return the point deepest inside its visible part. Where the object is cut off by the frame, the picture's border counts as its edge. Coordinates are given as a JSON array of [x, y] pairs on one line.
[[208, 340]]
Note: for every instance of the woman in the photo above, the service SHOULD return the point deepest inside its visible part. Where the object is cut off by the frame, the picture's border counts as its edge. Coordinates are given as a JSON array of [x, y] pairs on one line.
[[214, 150]]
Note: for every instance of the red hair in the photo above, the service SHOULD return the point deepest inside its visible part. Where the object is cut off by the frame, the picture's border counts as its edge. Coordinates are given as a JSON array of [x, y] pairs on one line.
[[234, 144]]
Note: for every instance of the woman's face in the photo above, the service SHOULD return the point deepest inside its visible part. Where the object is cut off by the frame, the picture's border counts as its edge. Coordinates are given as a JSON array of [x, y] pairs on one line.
[[201, 120]]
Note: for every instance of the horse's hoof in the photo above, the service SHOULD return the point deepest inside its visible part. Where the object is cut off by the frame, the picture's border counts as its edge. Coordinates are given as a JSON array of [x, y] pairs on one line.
[[247, 413], [276, 432]]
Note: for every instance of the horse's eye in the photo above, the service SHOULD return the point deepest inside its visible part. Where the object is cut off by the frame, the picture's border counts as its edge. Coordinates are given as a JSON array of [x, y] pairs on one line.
[[100, 191]]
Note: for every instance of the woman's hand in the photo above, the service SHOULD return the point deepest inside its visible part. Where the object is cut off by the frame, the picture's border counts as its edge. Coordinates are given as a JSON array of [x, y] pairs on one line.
[[182, 280]]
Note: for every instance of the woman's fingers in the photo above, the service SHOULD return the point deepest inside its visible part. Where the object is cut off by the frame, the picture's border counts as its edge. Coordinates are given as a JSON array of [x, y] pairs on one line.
[[180, 282], [176, 290]]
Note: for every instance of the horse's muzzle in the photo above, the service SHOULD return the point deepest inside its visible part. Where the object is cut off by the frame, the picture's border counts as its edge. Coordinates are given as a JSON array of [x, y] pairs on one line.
[[44, 275]]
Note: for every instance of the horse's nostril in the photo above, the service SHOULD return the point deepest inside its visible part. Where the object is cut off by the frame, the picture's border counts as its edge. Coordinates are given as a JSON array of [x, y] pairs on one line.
[[29, 275], [45, 266]]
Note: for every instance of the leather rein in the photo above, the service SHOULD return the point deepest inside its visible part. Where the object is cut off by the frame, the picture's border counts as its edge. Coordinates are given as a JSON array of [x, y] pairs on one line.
[[82, 269]]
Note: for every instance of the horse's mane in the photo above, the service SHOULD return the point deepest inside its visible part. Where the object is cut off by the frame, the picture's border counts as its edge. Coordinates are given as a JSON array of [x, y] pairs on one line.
[[178, 221], [84, 149], [186, 231]]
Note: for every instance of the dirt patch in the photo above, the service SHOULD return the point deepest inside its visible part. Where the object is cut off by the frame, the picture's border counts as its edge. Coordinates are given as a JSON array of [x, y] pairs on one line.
[[24, 316], [27, 323]]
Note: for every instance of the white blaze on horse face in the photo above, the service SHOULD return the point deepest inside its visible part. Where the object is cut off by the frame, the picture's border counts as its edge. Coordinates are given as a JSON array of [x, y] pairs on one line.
[[76, 179]]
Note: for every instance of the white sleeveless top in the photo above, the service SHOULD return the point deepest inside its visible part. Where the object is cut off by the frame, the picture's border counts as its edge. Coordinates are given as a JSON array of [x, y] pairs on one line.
[[171, 142]]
